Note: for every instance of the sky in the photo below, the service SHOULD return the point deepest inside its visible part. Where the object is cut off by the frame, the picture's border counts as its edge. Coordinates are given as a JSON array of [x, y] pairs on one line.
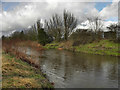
[[16, 16]]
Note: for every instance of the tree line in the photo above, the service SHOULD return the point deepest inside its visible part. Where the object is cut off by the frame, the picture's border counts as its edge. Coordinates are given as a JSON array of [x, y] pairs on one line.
[[62, 28]]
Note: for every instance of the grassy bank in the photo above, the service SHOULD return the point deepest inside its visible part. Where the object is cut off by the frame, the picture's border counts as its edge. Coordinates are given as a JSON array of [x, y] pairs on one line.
[[19, 74], [103, 47]]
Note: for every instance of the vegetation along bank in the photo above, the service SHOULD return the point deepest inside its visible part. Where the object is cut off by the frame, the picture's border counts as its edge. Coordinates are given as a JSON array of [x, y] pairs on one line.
[[20, 74], [102, 47]]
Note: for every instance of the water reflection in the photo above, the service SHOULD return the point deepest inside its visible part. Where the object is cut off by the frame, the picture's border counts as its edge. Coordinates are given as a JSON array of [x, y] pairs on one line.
[[81, 70], [68, 69]]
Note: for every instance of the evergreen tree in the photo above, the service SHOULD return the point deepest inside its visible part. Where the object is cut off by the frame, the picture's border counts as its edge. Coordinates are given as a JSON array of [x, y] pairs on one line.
[[42, 37]]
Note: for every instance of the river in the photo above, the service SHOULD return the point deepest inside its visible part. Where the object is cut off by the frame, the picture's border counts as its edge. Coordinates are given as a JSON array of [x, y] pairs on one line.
[[77, 70]]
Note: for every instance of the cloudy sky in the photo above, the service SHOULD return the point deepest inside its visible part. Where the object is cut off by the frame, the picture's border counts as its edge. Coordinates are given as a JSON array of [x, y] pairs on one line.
[[21, 15]]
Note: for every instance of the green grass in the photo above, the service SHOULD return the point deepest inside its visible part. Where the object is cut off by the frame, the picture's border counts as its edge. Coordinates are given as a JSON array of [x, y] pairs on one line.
[[103, 47], [19, 74], [52, 46]]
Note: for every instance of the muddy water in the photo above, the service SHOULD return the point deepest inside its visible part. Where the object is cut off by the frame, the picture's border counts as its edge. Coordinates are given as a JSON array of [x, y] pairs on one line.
[[77, 70]]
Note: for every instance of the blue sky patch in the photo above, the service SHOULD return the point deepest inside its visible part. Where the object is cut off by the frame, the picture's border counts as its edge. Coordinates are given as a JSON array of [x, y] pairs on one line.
[[100, 5], [9, 5]]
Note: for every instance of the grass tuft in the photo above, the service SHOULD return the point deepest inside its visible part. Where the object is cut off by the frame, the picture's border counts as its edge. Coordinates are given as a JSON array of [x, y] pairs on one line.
[[19, 74]]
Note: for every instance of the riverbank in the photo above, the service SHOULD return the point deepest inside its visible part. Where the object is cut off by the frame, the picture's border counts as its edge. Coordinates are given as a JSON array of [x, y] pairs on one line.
[[20, 74], [103, 47]]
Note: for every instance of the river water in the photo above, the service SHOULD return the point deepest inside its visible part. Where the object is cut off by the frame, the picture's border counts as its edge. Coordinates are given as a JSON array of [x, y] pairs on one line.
[[77, 70]]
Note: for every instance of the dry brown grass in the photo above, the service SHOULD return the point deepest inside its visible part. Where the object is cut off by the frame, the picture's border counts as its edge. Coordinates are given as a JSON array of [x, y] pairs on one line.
[[32, 44], [25, 82], [66, 44], [12, 48], [18, 74]]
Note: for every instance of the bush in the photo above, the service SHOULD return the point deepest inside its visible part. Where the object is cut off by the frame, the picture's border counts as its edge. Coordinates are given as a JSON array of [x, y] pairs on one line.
[[43, 38], [83, 37]]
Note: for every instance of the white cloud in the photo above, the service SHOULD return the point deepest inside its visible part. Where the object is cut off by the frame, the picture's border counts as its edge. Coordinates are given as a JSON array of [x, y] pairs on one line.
[[26, 14], [119, 12], [110, 11], [58, 0], [108, 23], [86, 25]]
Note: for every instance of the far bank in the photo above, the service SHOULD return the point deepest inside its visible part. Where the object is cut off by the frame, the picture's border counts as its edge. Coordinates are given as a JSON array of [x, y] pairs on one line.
[[102, 47]]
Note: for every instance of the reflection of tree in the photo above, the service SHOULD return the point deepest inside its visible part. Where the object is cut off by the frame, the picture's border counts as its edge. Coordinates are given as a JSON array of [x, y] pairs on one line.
[[70, 65], [88, 63], [113, 71]]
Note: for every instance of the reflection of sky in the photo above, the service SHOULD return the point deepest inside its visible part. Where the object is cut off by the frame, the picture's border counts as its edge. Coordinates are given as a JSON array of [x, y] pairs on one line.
[[80, 70]]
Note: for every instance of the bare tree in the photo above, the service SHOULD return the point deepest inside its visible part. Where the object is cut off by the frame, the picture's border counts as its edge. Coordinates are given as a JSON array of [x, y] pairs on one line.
[[34, 32], [70, 23], [54, 27], [96, 26], [39, 24], [57, 26], [96, 23], [113, 27]]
